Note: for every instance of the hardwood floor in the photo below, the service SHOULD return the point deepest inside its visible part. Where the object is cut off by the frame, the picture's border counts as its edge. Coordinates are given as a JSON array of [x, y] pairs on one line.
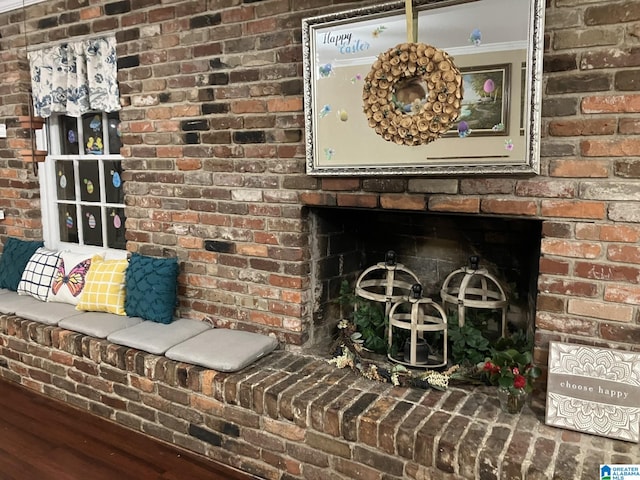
[[43, 439]]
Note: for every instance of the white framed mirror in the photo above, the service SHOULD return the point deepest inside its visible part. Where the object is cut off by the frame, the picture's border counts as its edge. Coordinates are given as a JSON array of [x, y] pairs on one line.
[[494, 47]]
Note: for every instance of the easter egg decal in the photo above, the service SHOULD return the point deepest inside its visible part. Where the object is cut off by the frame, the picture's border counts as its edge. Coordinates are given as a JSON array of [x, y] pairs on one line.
[[476, 37], [116, 179], [69, 221], [117, 222], [508, 145], [71, 136], [489, 86], [329, 153], [89, 185], [325, 70], [96, 123], [63, 181], [91, 220], [325, 110], [463, 129]]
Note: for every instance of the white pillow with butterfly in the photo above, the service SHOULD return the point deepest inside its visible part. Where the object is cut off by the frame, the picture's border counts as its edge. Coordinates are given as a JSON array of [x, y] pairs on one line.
[[69, 279]]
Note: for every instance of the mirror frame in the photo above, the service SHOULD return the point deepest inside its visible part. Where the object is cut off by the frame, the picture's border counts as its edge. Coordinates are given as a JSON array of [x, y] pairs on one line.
[[320, 165]]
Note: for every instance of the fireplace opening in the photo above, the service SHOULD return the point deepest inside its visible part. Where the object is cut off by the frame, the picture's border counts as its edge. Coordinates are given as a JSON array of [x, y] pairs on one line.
[[345, 242]]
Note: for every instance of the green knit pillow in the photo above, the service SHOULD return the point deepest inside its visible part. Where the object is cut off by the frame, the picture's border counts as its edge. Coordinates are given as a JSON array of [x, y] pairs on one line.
[[15, 256], [151, 288]]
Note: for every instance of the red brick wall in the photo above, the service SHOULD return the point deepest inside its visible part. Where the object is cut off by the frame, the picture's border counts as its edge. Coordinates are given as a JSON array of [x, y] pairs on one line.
[[214, 163], [19, 188]]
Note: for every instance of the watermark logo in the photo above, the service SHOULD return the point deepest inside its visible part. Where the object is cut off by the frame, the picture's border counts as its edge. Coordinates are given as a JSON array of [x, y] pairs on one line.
[[619, 472]]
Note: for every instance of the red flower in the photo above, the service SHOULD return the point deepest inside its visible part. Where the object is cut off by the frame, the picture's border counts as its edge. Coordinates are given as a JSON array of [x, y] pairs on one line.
[[491, 367], [519, 381]]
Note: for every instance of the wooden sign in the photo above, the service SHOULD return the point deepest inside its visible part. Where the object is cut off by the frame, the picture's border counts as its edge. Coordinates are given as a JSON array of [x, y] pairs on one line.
[[594, 390]]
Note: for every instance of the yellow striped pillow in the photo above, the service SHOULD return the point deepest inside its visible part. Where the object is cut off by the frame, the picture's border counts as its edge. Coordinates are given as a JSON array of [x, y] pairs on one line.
[[104, 289]]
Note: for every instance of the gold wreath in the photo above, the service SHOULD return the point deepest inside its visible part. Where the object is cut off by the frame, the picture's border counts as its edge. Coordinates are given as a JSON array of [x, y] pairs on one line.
[[421, 121]]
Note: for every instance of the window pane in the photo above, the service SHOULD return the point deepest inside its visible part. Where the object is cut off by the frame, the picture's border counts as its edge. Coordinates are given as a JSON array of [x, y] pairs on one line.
[[115, 142], [89, 181], [65, 180], [89, 192], [113, 186], [92, 131], [69, 136], [115, 228], [68, 223], [92, 225]]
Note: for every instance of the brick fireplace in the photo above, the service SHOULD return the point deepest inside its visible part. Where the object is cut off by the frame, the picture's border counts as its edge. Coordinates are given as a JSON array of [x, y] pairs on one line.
[[583, 255], [347, 241]]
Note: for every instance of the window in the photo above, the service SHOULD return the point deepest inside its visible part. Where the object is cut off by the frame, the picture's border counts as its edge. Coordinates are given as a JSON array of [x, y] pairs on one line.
[[81, 182]]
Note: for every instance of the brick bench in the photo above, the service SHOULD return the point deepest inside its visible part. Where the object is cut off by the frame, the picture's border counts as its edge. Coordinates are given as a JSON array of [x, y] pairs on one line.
[[291, 416], [190, 341]]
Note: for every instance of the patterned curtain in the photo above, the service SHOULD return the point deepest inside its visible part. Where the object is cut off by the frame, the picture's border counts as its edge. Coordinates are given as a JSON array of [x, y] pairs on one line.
[[74, 78]]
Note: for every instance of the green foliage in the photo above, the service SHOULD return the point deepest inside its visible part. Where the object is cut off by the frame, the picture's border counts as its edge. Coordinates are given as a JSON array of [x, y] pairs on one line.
[[473, 342], [516, 341], [368, 317], [468, 345]]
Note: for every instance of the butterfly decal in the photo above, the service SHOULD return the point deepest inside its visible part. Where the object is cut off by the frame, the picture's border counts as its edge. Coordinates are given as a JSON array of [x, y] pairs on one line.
[[74, 280]]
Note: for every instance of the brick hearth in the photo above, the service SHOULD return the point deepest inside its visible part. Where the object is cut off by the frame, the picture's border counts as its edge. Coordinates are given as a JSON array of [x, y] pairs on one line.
[[294, 416]]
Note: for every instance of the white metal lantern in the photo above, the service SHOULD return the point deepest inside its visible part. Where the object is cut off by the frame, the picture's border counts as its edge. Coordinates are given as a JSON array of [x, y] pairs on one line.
[[386, 282], [474, 288], [426, 323]]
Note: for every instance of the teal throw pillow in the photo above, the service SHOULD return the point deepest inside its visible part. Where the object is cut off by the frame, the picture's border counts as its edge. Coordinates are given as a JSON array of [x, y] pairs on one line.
[[151, 288], [15, 256]]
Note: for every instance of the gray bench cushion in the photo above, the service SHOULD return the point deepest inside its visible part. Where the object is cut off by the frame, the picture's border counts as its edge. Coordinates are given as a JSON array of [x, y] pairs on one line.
[[11, 301], [157, 338], [47, 312], [98, 324], [223, 349]]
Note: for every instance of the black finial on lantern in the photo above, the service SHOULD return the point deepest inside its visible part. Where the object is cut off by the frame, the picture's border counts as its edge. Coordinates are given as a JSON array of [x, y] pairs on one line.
[[474, 261], [416, 291], [390, 258]]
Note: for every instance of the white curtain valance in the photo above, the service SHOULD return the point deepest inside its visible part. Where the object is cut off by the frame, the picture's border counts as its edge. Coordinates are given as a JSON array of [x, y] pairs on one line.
[[75, 77]]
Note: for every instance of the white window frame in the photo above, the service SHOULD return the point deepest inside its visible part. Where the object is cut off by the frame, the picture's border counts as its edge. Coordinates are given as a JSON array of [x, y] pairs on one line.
[[48, 189], [9, 5]]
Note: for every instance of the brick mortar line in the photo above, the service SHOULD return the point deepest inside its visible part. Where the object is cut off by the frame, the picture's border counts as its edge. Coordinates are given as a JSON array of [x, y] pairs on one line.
[[456, 459]]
